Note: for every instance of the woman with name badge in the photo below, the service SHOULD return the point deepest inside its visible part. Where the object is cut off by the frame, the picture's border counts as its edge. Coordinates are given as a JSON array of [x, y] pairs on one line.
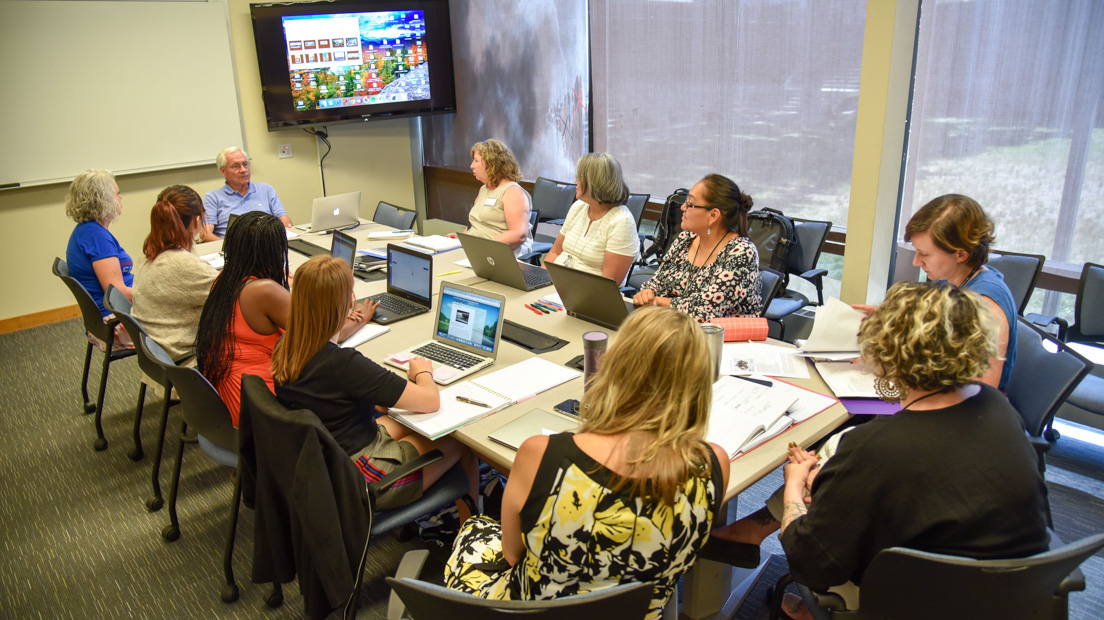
[[501, 210], [599, 233], [712, 268]]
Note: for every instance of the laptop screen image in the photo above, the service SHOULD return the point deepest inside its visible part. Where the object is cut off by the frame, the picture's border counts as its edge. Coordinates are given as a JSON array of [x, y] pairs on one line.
[[468, 318], [409, 272], [344, 247]]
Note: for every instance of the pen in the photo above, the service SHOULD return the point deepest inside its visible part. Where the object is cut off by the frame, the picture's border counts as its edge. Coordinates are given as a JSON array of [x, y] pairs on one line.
[[551, 303], [535, 311], [465, 399], [545, 307], [450, 273], [759, 381]]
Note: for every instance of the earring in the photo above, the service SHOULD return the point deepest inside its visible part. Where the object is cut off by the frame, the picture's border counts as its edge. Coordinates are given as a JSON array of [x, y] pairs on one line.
[[888, 390], [709, 230]]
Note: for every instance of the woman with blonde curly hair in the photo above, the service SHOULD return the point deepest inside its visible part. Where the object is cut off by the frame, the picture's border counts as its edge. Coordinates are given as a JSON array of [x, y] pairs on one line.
[[501, 209], [94, 255], [951, 473], [628, 498]]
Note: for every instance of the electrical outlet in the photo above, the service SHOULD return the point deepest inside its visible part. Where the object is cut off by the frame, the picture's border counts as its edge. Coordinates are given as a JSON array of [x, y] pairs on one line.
[[285, 151]]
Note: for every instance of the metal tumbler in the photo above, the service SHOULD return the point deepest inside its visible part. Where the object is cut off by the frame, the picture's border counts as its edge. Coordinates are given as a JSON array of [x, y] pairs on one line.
[[714, 335]]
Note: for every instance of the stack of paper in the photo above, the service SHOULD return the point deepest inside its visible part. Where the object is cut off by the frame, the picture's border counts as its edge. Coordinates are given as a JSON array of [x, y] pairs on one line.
[[742, 410], [835, 332], [752, 358], [468, 401], [848, 380], [433, 243], [367, 332]]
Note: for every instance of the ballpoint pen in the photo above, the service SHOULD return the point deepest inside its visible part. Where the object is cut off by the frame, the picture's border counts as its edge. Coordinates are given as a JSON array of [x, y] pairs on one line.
[[544, 309], [548, 306], [465, 399], [552, 303], [534, 310]]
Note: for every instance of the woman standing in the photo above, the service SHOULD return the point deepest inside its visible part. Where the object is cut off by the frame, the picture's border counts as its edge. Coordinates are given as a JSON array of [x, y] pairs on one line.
[[712, 268], [501, 210], [171, 288], [628, 498], [599, 233]]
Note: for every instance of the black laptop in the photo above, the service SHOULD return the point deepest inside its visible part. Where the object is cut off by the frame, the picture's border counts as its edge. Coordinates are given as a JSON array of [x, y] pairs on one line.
[[409, 280]]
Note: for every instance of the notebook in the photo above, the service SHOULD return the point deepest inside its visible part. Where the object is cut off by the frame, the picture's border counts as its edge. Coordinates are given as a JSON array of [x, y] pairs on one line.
[[495, 261], [742, 410], [466, 333], [434, 243], [468, 401], [589, 296], [409, 280], [330, 212], [536, 422]]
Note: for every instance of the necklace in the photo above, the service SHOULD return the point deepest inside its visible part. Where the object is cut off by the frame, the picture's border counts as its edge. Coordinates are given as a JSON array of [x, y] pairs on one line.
[[969, 276], [710, 251], [943, 391]]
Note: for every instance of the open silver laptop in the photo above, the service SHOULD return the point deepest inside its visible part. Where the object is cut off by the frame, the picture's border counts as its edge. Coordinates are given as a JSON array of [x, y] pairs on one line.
[[495, 261], [330, 212], [589, 296], [466, 333]]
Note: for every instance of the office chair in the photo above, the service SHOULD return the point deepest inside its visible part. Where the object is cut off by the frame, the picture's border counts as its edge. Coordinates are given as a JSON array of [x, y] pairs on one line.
[[905, 584], [1020, 271], [206, 415], [540, 248], [303, 484], [770, 287], [104, 333], [390, 215], [801, 262], [553, 199], [413, 598], [153, 374], [637, 204]]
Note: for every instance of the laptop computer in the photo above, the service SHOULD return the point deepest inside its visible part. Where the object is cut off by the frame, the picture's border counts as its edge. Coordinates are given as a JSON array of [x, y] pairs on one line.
[[536, 422], [409, 280], [332, 212], [495, 261], [465, 336], [344, 247], [589, 296]]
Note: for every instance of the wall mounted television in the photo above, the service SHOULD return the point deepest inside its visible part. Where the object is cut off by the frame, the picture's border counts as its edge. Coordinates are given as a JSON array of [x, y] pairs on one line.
[[353, 60]]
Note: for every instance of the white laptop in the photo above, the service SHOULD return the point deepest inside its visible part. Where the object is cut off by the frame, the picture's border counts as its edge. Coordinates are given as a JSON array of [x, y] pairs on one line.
[[331, 212], [466, 333]]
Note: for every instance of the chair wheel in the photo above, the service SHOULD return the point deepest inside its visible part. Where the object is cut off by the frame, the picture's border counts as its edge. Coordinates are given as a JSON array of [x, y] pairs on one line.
[[154, 504], [229, 593], [171, 533], [1052, 435], [275, 599], [89, 408], [136, 455], [100, 444]]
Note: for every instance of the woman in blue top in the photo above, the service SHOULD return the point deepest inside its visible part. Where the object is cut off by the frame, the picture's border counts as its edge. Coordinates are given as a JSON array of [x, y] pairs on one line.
[[94, 256]]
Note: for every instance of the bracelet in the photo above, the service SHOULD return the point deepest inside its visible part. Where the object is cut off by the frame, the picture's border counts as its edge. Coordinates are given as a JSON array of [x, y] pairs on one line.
[[422, 373]]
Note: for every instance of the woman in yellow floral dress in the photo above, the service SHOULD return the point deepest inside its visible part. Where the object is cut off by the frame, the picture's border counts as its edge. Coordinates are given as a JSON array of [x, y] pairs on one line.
[[628, 499]]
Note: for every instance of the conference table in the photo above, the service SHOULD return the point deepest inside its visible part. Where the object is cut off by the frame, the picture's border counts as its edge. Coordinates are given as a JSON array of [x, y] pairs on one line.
[[710, 589]]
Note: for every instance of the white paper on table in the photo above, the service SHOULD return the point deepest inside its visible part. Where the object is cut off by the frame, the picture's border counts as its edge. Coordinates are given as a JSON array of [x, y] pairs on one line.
[[554, 298], [215, 259], [835, 328], [745, 358], [290, 235], [741, 409], [464, 263], [848, 380], [366, 332], [807, 403]]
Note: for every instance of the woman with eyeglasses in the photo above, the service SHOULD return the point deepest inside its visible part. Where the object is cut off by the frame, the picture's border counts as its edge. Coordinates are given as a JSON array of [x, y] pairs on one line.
[[712, 268]]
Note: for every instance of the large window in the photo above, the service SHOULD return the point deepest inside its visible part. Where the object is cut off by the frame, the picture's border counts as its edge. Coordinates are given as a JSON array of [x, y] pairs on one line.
[[763, 91], [1007, 109]]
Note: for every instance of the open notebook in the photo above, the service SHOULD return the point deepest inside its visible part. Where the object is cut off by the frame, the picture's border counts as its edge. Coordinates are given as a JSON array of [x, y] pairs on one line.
[[466, 402]]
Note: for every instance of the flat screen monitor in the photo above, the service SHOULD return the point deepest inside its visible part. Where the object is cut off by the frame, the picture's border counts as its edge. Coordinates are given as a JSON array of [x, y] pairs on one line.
[[353, 60]]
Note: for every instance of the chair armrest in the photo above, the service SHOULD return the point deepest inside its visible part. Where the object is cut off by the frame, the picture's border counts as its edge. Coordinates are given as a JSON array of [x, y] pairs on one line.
[[830, 601], [410, 568], [1046, 320], [814, 273], [557, 221], [404, 470], [1074, 582], [533, 258], [1040, 444]]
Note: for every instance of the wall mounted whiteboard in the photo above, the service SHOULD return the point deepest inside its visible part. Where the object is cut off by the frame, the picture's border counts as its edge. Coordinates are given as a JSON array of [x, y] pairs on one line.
[[128, 86]]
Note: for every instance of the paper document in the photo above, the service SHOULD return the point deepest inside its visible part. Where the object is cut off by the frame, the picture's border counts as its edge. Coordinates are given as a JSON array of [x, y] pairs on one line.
[[745, 358], [835, 328], [291, 235], [741, 410], [366, 332], [434, 243], [464, 263], [527, 378], [847, 379], [215, 259], [389, 234]]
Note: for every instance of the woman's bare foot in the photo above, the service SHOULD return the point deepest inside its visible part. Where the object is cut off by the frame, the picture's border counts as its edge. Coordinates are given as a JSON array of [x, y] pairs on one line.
[[794, 606], [752, 529]]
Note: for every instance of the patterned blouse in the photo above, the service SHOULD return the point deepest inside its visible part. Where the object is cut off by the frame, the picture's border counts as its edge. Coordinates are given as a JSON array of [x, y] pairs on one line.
[[581, 537], [729, 286]]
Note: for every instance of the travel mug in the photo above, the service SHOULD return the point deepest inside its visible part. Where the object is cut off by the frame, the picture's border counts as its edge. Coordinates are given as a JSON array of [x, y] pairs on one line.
[[594, 346], [714, 335]]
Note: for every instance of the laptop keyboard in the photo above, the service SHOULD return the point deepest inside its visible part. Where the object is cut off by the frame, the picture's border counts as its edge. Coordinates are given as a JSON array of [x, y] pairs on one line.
[[395, 304], [447, 356], [536, 279]]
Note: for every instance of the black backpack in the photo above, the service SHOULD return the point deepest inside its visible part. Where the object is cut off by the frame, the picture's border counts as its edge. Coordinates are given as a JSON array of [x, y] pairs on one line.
[[670, 224], [773, 234]]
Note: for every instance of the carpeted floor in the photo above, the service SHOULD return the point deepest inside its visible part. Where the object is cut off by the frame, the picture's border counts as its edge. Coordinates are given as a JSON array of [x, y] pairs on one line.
[[76, 540]]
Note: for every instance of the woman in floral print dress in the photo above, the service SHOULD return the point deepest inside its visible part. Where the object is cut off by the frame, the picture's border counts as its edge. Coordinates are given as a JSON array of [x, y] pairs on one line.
[[712, 269], [628, 499]]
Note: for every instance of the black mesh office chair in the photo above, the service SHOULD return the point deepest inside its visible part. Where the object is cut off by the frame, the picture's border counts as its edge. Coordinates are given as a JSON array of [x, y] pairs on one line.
[[771, 286], [553, 199], [102, 331], [801, 262], [416, 599], [905, 584], [390, 215], [1020, 271]]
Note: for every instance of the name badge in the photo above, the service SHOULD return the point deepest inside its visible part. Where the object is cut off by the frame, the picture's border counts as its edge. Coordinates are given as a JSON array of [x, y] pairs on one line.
[[490, 202]]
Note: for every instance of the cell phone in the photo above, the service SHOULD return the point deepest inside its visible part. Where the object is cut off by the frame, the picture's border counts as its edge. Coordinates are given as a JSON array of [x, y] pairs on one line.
[[576, 363], [568, 407]]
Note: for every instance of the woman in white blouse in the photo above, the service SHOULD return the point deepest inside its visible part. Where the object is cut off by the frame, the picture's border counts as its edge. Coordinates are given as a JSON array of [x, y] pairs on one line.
[[599, 233]]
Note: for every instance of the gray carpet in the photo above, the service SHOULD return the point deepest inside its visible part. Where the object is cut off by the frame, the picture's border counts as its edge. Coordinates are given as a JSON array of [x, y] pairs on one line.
[[76, 539]]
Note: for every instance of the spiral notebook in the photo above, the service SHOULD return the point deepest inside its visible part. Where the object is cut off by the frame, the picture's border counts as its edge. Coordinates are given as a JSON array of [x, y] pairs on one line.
[[468, 401]]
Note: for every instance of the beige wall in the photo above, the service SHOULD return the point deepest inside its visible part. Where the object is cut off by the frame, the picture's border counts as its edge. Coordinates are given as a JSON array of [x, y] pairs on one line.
[[371, 157]]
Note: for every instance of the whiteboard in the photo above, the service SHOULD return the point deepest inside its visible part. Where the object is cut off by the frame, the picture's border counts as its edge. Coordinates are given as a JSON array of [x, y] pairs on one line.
[[127, 86]]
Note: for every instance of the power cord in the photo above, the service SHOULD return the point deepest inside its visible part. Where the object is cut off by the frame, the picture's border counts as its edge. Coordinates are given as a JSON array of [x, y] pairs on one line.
[[324, 136]]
